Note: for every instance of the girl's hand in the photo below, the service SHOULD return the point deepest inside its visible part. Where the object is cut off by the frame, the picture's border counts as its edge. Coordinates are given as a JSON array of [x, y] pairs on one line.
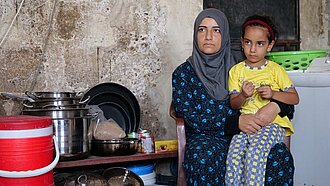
[[247, 89], [265, 92]]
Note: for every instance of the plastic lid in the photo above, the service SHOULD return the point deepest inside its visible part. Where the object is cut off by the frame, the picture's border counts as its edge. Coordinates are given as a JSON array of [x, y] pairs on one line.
[[23, 122], [141, 169]]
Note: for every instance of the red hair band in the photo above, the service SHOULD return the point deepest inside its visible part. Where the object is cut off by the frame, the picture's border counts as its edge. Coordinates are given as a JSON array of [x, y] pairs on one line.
[[262, 23]]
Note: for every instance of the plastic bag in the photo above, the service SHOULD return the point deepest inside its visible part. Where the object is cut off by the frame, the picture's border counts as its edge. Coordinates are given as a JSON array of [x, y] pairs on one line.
[[98, 117], [103, 129], [107, 130]]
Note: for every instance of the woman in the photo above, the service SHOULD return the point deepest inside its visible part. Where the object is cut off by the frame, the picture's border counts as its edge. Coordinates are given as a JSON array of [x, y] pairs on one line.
[[200, 95]]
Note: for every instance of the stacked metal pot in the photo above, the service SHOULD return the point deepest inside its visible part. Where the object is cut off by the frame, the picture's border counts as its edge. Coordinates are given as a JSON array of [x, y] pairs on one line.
[[70, 118]]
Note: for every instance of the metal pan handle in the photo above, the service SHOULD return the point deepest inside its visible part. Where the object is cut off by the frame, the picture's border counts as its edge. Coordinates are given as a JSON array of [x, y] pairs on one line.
[[84, 101], [17, 97], [32, 95]]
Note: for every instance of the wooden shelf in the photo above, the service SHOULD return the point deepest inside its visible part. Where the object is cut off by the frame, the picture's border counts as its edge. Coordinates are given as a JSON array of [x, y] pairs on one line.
[[97, 160]]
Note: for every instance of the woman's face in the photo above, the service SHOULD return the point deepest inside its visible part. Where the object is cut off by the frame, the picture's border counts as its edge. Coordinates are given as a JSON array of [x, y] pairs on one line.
[[209, 36]]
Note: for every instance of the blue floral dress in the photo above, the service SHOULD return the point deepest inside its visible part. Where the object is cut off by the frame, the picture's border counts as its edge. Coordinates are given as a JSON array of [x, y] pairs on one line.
[[206, 142]]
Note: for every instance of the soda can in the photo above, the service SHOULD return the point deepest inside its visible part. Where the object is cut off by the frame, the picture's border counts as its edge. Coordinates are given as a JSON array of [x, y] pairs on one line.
[[148, 145], [141, 133], [132, 135], [147, 141]]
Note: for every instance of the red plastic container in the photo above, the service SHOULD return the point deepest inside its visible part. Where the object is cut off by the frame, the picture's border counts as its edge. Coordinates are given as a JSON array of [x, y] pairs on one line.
[[26, 151]]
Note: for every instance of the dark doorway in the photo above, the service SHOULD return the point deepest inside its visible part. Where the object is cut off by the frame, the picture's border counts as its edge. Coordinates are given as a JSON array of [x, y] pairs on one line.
[[285, 14]]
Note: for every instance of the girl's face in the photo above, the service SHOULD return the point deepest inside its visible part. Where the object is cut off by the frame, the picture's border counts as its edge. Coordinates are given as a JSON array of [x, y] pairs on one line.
[[209, 36], [255, 45]]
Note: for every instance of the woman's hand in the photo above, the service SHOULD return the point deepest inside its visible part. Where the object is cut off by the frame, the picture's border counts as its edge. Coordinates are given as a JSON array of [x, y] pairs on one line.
[[268, 113], [249, 123]]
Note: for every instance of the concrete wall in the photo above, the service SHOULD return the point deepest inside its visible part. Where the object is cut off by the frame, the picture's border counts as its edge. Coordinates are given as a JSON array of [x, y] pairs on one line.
[[315, 24], [63, 45], [73, 45]]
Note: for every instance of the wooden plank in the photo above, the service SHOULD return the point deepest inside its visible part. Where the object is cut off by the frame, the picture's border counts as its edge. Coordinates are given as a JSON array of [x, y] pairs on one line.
[[97, 160]]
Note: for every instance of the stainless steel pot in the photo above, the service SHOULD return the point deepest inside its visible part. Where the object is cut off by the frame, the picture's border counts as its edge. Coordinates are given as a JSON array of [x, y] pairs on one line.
[[124, 146], [72, 137], [51, 106], [41, 95], [57, 113], [56, 102]]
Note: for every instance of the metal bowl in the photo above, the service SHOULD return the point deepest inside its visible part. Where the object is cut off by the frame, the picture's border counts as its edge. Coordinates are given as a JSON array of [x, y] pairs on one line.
[[119, 176], [114, 147], [82, 178]]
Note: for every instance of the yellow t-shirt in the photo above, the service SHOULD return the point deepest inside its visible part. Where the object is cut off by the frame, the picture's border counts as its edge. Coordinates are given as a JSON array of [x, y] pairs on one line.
[[270, 74]]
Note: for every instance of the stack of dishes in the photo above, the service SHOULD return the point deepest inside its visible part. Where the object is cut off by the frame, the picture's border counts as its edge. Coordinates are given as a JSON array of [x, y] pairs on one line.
[[116, 102], [149, 179], [145, 172]]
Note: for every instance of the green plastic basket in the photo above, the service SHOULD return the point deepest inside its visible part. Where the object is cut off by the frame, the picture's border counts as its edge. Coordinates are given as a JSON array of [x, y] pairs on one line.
[[296, 60]]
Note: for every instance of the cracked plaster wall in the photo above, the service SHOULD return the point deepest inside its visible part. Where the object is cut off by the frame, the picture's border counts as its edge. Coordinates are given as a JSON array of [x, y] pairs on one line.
[[74, 45], [62, 45], [315, 24]]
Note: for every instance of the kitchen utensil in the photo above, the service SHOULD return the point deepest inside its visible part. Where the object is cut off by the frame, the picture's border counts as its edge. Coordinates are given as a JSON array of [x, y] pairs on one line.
[[55, 102], [9, 95], [72, 137], [123, 146], [57, 113]]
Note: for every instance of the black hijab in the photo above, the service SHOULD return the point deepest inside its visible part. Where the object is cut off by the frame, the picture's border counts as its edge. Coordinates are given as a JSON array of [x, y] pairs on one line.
[[213, 69]]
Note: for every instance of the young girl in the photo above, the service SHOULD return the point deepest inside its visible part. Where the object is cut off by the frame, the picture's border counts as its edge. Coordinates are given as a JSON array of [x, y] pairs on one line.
[[252, 84]]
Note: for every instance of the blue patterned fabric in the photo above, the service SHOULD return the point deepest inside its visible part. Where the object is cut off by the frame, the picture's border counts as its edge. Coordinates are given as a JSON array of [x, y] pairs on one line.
[[206, 142], [280, 166]]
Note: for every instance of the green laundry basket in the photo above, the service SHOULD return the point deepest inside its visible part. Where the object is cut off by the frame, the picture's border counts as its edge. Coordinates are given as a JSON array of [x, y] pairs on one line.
[[296, 60]]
